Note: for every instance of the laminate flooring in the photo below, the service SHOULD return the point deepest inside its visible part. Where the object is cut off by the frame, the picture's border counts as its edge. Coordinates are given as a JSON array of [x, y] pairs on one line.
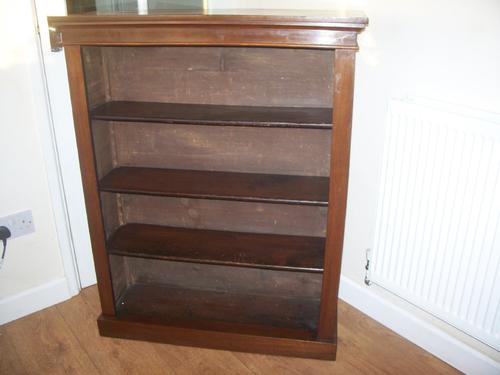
[[63, 339]]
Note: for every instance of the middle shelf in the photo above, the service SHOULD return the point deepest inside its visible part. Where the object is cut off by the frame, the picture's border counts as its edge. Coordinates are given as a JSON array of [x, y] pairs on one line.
[[271, 251], [236, 186]]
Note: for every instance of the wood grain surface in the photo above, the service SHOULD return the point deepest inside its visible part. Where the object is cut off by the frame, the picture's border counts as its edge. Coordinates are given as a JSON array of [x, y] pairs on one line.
[[339, 176], [89, 175]]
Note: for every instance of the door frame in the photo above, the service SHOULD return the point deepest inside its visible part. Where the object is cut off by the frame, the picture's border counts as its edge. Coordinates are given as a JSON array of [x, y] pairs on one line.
[[61, 156]]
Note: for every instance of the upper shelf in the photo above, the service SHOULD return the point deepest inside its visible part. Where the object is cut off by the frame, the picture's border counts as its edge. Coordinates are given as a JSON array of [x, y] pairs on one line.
[[220, 115]]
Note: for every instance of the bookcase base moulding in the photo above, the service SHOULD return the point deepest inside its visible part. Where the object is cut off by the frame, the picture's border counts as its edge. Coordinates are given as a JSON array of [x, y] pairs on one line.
[[214, 151]]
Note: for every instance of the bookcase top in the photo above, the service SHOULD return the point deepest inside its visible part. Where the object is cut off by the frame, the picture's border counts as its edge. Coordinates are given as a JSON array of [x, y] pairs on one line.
[[265, 28], [323, 18]]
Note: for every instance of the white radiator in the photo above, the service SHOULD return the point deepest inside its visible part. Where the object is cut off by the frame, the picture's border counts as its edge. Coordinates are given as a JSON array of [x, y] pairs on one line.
[[437, 242]]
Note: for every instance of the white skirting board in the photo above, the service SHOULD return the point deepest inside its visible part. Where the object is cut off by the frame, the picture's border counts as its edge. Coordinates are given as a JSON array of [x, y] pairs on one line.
[[421, 333], [33, 300]]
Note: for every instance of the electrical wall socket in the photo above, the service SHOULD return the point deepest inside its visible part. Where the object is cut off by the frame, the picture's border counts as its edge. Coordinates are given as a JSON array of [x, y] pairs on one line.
[[19, 224]]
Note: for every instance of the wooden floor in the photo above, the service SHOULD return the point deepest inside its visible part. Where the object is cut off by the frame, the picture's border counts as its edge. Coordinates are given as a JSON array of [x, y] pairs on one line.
[[63, 340]]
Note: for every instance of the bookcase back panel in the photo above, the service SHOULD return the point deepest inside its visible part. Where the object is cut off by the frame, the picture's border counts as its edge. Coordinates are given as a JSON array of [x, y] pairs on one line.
[[227, 148], [213, 75], [223, 215], [104, 147], [111, 212], [120, 275], [96, 76], [250, 281]]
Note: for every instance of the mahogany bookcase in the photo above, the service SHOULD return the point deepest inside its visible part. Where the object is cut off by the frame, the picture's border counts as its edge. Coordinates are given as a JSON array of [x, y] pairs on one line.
[[214, 151]]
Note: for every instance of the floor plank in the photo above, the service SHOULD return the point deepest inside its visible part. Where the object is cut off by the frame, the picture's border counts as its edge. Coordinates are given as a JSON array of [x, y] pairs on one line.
[[186, 360], [64, 339], [180, 360], [365, 347], [361, 339], [110, 356], [45, 345], [264, 364], [10, 363]]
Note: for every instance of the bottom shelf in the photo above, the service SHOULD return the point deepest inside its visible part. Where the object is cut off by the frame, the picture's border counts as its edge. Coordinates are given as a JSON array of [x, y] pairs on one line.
[[271, 316], [226, 340]]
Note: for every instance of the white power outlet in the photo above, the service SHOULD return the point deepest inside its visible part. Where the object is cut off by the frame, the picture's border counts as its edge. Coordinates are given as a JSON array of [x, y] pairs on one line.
[[19, 224]]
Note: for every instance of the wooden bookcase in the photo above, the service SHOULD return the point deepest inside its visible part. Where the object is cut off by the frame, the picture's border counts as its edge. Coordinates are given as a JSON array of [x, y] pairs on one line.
[[214, 181]]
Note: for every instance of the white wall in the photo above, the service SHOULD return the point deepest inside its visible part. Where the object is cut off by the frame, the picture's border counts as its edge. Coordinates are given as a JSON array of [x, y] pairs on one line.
[[447, 50], [33, 261]]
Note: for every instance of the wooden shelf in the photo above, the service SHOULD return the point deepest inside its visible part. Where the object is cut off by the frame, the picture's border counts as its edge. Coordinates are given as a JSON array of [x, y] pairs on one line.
[[251, 187], [291, 317], [271, 251], [218, 115]]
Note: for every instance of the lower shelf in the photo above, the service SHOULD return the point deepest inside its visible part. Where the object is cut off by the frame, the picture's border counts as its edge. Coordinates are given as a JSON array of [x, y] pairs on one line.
[[273, 251], [293, 317], [219, 320]]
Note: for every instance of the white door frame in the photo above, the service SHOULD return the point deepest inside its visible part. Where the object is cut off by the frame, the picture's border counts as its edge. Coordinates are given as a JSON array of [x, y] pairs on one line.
[[61, 157]]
